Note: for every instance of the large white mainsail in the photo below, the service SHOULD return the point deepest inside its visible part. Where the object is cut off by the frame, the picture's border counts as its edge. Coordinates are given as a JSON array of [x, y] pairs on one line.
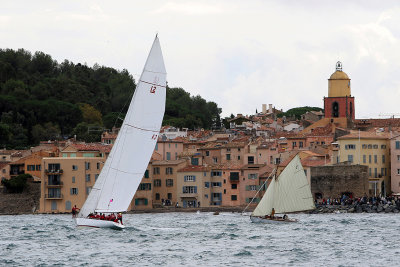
[[130, 155], [289, 192]]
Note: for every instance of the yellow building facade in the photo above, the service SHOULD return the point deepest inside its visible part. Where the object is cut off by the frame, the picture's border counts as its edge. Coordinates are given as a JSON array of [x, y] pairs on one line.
[[373, 150]]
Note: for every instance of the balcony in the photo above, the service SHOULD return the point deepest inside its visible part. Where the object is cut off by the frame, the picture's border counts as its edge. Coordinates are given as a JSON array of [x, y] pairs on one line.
[[53, 196], [16, 172], [58, 171], [234, 177], [188, 195], [54, 184]]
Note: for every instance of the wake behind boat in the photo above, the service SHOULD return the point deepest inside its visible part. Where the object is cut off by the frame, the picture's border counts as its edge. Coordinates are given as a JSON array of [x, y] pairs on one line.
[[130, 155], [289, 192]]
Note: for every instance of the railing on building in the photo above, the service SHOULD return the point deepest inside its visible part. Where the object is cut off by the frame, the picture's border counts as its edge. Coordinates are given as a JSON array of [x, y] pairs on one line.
[[53, 196], [54, 184], [59, 171]]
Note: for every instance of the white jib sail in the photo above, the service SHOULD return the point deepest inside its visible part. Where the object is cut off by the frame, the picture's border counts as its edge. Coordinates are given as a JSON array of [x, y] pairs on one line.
[[130, 155], [290, 192]]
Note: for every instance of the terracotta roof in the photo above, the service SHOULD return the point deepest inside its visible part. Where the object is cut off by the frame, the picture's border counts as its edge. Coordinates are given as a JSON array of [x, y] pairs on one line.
[[3, 164], [194, 168], [168, 162], [310, 162], [93, 147], [394, 122], [366, 135], [321, 131]]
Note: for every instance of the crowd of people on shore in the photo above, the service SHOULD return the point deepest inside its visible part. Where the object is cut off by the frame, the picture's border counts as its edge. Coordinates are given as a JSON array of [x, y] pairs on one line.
[[110, 217], [349, 200]]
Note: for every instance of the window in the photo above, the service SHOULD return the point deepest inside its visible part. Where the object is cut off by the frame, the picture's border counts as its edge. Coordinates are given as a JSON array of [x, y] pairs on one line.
[[74, 167], [73, 179], [271, 159], [277, 160], [30, 167], [350, 146], [88, 189], [216, 184], [206, 195], [383, 159], [376, 173], [375, 146], [88, 155], [364, 158], [300, 144], [216, 173], [145, 186], [215, 160], [252, 188], [169, 196], [369, 159], [383, 146], [369, 146], [204, 174], [189, 178], [216, 196], [398, 171], [294, 144], [87, 177], [156, 170], [98, 165], [398, 158], [195, 161], [168, 170], [233, 197], [364, 146], [95, 177], [169, 182], [74, 191], [382, 171], [397, 144], [87, 165], [206, 185], [168, 155], [238, 157], [189, 190], [207, 153], [54, 167], [176, 155], [350, 158], [157, 182], [234, 176], [250, 160], [253, 175], [157, 196], [146, 174], [228, 156], [234, 186], [375, 158], [239, 149], [370, 172]]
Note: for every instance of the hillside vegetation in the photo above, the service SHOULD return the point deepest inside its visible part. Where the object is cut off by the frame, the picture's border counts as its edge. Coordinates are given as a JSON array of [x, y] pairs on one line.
[[41, 99]]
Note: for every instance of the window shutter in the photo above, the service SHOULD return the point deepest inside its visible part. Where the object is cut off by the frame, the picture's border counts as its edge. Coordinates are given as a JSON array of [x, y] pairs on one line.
[[77, 191], [194, 178], [70, 190], [136, 202], [195, 189], [247, 188], [145, 201], [183, 189]]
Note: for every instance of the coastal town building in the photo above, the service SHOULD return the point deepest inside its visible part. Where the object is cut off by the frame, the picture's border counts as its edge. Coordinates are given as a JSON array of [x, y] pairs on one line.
[[372, 149]]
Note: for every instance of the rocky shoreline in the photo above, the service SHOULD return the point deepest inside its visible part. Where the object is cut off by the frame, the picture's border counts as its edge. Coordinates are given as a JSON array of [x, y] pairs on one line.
[[357, 208]]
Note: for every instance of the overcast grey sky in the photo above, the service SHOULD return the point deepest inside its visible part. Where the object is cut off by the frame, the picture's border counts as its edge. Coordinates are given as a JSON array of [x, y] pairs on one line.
[[239, 54]]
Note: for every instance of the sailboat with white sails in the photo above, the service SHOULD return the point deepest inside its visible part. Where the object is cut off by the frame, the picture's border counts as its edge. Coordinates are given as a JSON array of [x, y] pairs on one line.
[[289, 192], [132, 150]]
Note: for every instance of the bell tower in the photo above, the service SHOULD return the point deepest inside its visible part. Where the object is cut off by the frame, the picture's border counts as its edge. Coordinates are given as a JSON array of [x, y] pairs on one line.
[[339, 103]]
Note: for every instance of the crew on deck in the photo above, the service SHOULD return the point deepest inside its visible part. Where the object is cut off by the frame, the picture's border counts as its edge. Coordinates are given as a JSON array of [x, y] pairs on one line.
[[111, 217]]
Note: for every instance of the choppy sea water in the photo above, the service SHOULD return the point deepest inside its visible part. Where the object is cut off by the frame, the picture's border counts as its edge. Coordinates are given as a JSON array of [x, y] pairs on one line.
[[191, 239]]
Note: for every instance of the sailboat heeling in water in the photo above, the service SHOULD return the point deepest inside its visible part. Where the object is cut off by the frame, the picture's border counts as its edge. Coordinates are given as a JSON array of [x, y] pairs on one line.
[[289, 192], [130, 155]]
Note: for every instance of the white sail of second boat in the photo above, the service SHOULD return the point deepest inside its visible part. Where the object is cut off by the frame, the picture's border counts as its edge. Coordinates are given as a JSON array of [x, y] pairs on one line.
[[129, 157], [289, 192]]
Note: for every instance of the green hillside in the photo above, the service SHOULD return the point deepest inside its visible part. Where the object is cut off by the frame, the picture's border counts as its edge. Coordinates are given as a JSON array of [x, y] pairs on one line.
[[41, 99]]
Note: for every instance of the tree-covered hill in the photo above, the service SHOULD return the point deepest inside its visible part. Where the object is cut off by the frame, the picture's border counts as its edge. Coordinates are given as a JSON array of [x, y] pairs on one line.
[[297, 112], [42, 99]]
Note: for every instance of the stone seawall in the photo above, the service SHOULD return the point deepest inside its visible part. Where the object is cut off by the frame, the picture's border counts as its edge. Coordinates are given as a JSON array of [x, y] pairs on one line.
[[357, 208]]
